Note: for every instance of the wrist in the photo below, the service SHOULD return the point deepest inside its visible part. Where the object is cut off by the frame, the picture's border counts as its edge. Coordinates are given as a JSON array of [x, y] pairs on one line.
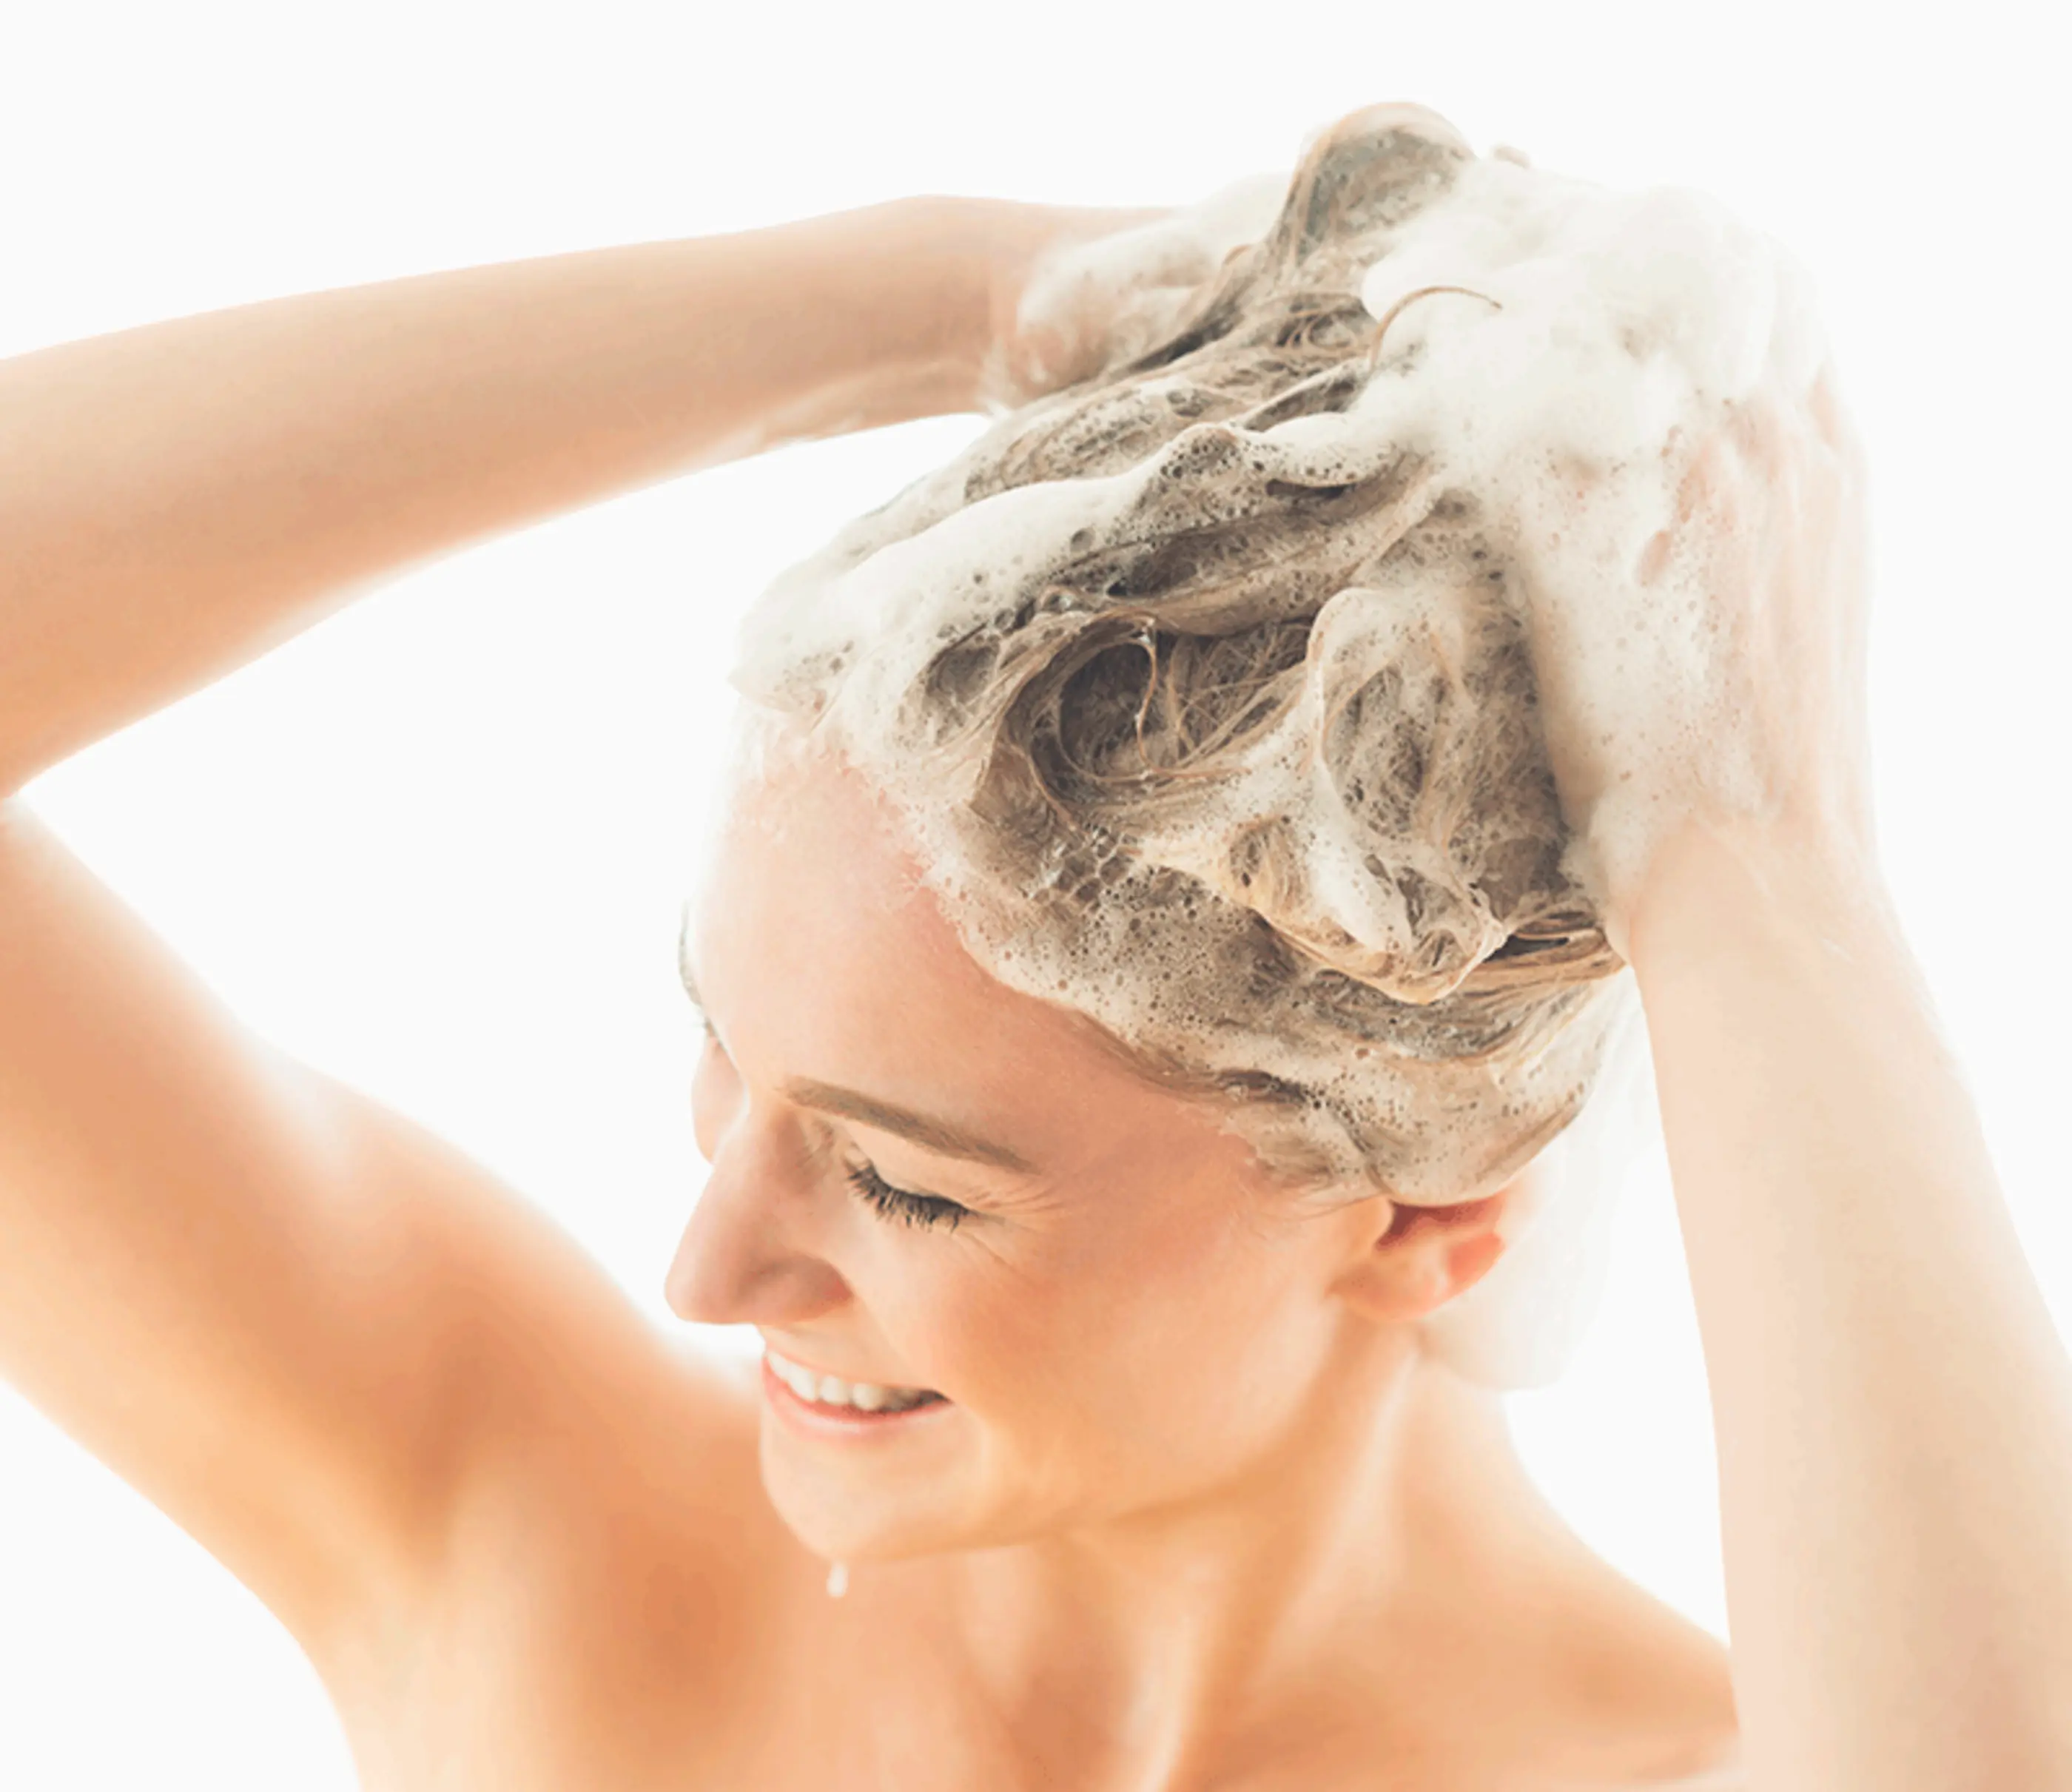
[[1713, 889]]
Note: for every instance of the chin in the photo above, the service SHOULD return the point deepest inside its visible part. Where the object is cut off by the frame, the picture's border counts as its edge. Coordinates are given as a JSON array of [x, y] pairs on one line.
[[867, 1512]]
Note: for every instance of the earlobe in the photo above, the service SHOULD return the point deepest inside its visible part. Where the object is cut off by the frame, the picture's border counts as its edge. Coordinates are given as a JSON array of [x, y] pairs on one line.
[[1472, 1259]]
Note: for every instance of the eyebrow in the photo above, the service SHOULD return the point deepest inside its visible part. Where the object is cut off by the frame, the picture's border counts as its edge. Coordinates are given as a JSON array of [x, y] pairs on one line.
[[930, 1134], [938, 1136]]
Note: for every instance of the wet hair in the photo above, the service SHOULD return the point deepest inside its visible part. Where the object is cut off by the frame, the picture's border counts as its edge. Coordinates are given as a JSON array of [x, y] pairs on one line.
[[1227, 737]]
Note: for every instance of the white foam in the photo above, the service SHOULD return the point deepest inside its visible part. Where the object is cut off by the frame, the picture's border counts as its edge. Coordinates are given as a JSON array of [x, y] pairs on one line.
[[1592, 337]]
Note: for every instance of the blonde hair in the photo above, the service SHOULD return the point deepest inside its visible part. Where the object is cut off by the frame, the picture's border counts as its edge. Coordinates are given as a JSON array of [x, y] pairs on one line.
[[1082, 752]]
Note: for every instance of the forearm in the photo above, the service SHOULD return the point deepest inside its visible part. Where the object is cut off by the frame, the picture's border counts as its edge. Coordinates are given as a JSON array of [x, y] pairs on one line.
[[1894, 1409], [176, 498]]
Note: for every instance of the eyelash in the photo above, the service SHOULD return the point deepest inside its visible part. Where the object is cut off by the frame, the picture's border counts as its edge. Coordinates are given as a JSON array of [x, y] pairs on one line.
[[903, 1204]]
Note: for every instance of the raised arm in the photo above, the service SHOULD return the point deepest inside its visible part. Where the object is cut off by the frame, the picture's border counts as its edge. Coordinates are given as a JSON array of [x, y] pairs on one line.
[[176, 498], [296, 1323], [1893, 1405]]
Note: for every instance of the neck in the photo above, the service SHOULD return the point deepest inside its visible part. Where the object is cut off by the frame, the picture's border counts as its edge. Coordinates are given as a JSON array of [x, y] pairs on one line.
[[1381, 1556]]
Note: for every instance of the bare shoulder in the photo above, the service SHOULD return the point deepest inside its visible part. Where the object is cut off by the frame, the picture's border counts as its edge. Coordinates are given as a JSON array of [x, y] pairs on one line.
[[1650, 1693]]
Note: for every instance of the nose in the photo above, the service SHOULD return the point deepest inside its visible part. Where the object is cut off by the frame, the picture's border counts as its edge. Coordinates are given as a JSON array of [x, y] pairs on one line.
[[746, 1256]]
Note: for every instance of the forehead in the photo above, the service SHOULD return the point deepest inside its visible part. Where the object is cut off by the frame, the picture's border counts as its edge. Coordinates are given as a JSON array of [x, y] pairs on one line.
[[820, 952], [810, 872]]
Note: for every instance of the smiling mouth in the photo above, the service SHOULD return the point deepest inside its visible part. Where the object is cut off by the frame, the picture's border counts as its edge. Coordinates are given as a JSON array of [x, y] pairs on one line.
[[830, 1394]]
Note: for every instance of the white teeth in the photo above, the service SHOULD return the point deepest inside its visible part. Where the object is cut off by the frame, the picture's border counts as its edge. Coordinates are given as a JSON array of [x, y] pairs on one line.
[[866, 1396]]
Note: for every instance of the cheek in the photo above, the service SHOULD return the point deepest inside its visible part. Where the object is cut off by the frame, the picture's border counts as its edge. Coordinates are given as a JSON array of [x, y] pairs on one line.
[[1164, 1344], [1220, 1328]]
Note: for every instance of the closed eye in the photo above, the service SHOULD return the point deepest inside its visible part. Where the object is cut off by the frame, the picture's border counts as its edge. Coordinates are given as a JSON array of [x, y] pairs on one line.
[[904, 1204]]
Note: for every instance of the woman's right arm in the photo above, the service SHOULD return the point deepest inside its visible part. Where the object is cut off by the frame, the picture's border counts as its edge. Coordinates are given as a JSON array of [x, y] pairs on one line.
[[176, 498], [292, 1319]]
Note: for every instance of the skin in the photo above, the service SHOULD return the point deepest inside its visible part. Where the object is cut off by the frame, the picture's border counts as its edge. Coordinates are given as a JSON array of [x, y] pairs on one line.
[[1197, 1513]]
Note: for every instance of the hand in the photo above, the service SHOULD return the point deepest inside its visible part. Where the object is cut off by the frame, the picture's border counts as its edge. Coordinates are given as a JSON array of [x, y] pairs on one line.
[[1075, 290], [1723, 686]]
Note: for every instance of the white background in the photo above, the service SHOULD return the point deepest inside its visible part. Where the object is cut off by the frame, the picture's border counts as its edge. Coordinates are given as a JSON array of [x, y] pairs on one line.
[[437, 846]]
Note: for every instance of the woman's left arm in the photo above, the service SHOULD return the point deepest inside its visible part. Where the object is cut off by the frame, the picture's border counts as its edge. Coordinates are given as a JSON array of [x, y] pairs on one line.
[[1893, 1407]]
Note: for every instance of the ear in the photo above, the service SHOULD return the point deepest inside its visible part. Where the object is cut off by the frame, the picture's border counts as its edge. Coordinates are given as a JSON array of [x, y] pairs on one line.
[[1413, 1261]]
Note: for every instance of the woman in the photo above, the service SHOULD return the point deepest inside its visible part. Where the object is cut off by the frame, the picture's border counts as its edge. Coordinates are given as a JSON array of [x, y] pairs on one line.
[[1124, 1404]]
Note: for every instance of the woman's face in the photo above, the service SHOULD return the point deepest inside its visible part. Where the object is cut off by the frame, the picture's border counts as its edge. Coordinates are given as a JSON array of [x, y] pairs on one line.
[[1119, 1311]]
